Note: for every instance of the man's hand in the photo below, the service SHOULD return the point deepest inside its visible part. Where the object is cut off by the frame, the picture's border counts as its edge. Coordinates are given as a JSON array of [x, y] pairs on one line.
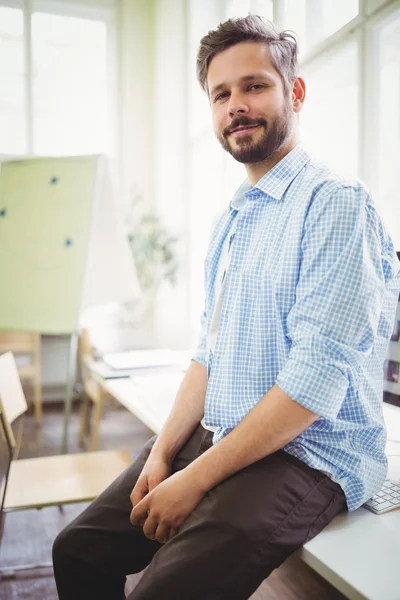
[[155, 471], [164, 509]]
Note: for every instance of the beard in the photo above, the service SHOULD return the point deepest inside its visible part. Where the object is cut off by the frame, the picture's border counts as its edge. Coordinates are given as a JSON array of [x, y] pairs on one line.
[[276, 132]]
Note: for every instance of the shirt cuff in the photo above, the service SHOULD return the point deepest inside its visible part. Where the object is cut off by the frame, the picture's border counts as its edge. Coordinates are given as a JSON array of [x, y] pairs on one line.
[[200, 358], [319, 388]]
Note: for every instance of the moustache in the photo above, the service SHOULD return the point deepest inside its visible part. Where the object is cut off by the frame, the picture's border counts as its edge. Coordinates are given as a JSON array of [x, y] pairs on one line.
[[243, 122]]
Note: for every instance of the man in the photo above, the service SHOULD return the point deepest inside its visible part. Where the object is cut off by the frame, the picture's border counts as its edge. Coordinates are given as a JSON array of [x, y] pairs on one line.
[[302, 283]]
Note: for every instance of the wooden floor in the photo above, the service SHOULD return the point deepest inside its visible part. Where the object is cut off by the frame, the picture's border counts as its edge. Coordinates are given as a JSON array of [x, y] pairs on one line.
[[28, 535]]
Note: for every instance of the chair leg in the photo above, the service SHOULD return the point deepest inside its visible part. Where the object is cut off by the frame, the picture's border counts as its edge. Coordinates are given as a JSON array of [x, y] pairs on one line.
[[114, 402], [2, 436], [6, 477], [37, 392], [83, 420], [96, 417]]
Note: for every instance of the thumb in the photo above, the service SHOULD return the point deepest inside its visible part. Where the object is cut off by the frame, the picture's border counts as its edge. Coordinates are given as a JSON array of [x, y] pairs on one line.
[[139, 513]]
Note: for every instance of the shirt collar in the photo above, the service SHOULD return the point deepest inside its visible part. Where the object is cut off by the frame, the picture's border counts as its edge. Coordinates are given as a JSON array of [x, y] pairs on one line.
[[240, 198], [277, 180]]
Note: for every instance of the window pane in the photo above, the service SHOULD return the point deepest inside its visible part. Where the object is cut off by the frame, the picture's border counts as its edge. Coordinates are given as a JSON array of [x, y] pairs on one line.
[[236, 8], [315, 20], [336, 14], [265, 8], [295, 19], [329, 119], [241, 8], [12, 82], [70, 96], [207, 198], [388, 124], [203, 16]]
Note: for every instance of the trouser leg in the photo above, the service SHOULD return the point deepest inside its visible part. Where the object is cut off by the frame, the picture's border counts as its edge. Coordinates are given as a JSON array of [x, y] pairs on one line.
[[93, 554], [241, 531]]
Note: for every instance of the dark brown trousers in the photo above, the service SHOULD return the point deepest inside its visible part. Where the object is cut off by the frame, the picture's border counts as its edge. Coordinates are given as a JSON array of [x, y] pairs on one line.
[[242, 530]]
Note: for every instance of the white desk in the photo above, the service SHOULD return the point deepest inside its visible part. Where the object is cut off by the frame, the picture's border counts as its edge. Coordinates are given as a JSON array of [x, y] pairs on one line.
[[149, 397], [358, 553]]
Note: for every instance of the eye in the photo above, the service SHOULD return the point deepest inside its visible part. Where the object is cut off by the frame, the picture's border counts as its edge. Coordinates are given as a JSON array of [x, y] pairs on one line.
[[256, 87], [221, 96]]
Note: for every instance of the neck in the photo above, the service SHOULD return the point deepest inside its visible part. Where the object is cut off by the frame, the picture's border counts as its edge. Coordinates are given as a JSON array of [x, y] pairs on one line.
[[257, 170]]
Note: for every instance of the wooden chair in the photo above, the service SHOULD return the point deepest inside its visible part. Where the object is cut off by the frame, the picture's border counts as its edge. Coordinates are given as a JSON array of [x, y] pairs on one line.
[[47, 481], [20, 342], [94, 395]]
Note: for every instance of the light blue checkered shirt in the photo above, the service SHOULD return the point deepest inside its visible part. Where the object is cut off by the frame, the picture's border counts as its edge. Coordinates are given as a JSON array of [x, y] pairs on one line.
[[309, 305]]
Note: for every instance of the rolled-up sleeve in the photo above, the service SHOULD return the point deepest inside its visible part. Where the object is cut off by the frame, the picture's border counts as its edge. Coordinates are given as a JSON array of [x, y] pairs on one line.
[[334, 320]]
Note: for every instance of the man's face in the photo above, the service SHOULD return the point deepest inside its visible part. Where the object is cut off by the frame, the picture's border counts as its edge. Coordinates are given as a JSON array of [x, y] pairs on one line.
[[252, 113]]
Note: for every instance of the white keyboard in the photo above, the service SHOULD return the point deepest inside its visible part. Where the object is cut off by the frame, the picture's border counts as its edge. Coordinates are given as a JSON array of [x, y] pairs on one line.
[[387, 499]]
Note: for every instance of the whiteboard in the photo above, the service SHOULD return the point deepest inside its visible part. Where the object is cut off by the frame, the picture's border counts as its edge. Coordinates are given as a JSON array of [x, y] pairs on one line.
[[46, 207]]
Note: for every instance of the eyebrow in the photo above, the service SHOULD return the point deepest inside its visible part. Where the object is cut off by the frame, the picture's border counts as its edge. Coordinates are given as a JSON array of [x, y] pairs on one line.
[[244, 79]]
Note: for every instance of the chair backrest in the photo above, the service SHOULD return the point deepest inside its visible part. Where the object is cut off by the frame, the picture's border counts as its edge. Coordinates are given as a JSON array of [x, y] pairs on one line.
[[12, 399]]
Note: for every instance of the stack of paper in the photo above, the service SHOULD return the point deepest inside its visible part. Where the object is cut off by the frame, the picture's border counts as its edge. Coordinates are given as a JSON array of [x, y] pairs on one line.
[[141, 359]]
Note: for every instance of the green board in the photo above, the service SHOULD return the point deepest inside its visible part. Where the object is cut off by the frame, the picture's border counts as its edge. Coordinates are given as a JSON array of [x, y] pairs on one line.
[[46, 209]]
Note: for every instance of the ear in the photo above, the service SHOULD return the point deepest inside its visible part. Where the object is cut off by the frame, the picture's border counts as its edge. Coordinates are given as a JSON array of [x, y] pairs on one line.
[[298, 94]]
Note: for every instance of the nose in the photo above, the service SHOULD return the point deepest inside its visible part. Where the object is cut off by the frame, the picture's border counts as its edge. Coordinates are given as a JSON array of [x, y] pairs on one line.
[[237, 105]]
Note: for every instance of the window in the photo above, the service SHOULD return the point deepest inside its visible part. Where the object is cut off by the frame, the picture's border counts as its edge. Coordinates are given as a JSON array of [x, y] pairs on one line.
[[56, 96], [207, 199], [315, 20], [241, 8], [12, 82], [387, 76], [70, 100], [204, 158], [329, 118]]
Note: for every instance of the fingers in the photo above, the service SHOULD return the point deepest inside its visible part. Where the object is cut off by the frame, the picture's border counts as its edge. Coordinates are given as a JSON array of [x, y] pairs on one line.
[[154, 530], [139, 514], [139, 491], [150, 528], [172, 533], [162, 533], [140, 522]]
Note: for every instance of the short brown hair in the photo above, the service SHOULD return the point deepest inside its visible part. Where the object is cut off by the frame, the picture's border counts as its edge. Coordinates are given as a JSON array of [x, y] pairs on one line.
[[253, 28]]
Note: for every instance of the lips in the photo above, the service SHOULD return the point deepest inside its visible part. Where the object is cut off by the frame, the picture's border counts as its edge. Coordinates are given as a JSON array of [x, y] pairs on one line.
[[243, 129]]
